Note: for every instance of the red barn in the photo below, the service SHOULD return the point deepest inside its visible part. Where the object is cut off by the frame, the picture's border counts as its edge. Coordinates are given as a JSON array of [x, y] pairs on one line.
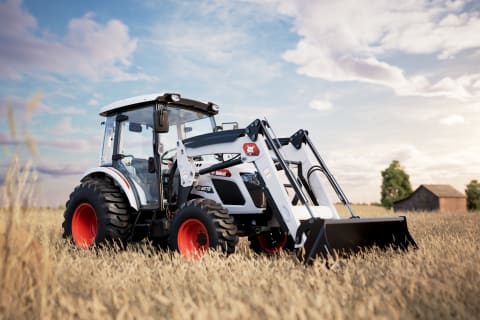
[[429, 197]]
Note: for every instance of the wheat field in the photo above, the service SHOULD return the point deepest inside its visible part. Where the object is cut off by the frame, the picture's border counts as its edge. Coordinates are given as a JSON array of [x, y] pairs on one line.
[[44, 277]]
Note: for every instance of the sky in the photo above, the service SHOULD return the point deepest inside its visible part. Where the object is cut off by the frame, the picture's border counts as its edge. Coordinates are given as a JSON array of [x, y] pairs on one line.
[[372, 81]]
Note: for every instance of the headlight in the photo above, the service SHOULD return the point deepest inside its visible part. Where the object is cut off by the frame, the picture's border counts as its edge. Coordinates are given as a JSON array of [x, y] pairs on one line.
[[214, 107], [175, 97]]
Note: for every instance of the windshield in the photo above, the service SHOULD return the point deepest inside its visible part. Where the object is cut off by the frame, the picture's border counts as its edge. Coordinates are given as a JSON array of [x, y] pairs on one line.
[[184, 124], [197, 127]]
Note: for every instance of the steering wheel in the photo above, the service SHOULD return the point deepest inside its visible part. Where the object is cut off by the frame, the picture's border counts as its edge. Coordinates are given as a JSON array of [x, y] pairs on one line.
[[168, 156]]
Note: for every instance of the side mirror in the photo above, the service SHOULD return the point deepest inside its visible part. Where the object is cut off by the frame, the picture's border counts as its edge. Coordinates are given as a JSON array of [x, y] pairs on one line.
[[160, 121], [151, 165]]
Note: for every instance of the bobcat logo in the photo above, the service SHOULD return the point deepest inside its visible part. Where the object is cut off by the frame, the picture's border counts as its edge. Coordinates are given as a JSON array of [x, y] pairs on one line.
[[251, 149]]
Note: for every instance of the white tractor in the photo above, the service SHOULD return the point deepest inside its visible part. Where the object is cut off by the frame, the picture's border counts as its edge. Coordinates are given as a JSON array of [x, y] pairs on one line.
[[170, 173]]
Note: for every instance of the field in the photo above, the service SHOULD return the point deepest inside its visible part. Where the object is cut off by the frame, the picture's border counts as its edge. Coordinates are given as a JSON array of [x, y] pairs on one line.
[[44, 277]]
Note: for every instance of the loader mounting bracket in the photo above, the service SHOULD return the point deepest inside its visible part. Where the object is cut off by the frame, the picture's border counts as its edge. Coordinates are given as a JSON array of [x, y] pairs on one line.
[[317, 241], [298, 138], [254, 129]]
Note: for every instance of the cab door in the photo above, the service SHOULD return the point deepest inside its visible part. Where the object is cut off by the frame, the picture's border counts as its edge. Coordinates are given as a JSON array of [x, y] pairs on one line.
[[134, 153]]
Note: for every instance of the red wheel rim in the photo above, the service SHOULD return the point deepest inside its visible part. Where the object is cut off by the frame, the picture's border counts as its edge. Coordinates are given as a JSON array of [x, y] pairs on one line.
[[84, 225], [272, 243], [192, 239]]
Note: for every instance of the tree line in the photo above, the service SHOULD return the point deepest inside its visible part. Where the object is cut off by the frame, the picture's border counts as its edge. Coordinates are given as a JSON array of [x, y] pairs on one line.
[[396, 186]]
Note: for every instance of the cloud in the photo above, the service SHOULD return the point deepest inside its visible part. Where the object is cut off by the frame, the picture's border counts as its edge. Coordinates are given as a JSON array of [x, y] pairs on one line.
[[198, 42], [320, 105], [88, 49], [358, 169], [22, 104], [64, 127], [211, 42], [6, 140], [351, 41], [91, 144], [452, 120], [60, 169]]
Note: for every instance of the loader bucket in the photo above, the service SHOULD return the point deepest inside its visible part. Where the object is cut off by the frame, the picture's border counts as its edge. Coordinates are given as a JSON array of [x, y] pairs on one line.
[[330, 237]]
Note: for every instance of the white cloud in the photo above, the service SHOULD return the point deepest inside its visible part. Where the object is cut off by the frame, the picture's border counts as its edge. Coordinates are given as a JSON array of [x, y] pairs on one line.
[[353, 41], [62, 169], [64, 127], [214, 42], [201, 42], [88, 49], [93, 102], [452, 120], [320, 105], [358, 169], [90, 144], [21, 104]]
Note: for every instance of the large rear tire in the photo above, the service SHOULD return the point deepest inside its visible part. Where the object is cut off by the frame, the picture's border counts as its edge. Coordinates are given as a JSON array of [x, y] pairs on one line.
[[200, 225], [97, 212]]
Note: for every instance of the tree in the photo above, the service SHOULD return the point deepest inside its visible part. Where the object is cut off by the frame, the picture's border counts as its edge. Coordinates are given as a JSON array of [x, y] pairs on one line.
[[395, 185], [473, 195]]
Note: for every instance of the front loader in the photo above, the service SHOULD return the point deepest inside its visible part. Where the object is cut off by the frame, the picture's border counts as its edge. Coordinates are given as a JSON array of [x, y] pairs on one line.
[[171, 174]]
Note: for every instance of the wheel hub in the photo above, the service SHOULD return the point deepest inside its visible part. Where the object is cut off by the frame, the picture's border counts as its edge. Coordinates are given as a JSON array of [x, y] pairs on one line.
[[192, 238], [84, 225], [273, 241]]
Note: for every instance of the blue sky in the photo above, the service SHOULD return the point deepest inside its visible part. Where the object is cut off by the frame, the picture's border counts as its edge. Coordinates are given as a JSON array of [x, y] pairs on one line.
[[372, 81]]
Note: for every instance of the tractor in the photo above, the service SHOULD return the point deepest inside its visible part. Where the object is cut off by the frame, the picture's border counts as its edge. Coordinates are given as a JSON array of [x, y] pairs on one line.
[[171, 174]]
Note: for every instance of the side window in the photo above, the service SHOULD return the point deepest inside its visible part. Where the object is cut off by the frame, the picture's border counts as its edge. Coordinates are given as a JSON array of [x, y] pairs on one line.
[[136, 140], [107, 149]]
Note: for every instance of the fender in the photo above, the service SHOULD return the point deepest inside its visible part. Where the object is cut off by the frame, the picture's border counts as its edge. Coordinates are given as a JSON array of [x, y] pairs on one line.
[[119, 178]]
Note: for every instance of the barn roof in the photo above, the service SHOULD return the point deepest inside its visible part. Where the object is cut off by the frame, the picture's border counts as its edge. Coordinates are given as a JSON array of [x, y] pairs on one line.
[[440, 190], [443, 190]]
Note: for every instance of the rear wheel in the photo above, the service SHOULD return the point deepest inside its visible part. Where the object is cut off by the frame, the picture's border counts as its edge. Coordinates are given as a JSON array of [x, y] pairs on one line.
[[97, 211], [200, 225], [271, 242]]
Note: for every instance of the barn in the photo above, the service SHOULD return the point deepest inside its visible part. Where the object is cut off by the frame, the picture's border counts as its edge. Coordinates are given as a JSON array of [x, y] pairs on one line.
[[429, 197]]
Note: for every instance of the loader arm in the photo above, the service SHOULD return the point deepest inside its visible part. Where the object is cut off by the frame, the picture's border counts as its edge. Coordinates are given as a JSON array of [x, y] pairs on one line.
[[313, 223]]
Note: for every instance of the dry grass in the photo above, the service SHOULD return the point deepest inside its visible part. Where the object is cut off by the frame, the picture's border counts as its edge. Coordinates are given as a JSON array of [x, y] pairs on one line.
[[43, 277], [47, 278]]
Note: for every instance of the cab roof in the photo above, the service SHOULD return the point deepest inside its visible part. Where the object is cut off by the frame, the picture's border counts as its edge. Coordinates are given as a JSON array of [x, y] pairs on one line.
[[164, 98]]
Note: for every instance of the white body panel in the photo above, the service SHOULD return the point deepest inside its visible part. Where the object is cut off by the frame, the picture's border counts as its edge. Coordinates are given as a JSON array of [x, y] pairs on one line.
[[274, 182], [306, 158], [118, 177], [129, 101], [185, 166], [206, 180]]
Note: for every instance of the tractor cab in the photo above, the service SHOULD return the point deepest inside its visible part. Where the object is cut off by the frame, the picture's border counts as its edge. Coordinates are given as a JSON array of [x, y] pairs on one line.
[[141, 137]]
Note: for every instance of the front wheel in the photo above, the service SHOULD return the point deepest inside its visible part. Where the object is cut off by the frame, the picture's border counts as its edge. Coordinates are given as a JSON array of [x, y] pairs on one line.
[[200, 225]]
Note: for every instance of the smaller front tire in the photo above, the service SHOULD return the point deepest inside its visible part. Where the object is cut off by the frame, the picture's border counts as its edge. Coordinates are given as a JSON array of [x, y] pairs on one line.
[[200, 225], [271, 242]]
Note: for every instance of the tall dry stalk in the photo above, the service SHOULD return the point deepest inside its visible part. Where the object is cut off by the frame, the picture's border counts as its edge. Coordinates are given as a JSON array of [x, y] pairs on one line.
[[18, 250]]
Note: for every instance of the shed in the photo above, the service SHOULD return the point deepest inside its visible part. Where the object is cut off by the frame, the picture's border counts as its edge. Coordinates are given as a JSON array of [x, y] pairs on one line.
[[429, 197]]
